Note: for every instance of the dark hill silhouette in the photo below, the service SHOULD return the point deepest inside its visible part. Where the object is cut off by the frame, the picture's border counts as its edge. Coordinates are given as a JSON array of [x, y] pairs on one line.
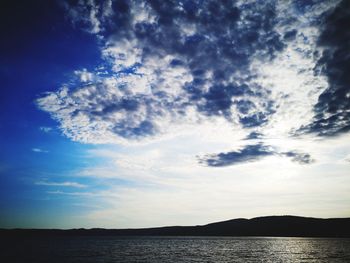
[[278, 226]]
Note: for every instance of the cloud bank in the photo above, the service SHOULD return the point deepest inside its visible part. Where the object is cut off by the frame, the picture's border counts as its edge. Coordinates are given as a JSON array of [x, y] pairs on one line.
[[268, 68]]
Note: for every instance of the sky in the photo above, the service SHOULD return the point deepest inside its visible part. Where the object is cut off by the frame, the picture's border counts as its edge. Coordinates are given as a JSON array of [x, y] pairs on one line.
[[124, 114]]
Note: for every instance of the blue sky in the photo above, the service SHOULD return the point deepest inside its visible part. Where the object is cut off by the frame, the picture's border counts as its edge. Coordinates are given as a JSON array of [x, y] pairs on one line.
[[149, 113]]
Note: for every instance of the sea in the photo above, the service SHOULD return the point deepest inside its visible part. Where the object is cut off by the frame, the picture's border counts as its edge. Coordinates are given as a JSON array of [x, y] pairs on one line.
[[174, 249]]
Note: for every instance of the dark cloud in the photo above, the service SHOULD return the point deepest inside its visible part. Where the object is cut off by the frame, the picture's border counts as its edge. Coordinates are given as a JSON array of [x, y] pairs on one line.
[[254, 135], [252, 153], [145, 128], [224, 40], [290, 35], [302, 158], [254, 120], [332, 111], [247, 154], [304, 5]]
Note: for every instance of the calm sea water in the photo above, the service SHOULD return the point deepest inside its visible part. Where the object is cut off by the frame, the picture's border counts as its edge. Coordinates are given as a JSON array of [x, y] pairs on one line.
[[176, 249]]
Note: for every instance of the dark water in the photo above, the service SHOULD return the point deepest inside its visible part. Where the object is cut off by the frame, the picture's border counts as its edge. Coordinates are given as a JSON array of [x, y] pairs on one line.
[[175, 249]]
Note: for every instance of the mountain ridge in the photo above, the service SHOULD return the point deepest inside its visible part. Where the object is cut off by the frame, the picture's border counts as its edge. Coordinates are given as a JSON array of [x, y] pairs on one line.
[[278, 226]]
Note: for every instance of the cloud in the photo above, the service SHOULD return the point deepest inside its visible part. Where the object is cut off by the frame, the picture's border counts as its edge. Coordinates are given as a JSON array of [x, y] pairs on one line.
[[45, 129], [63, 184], [38, 150], [171, 63], [332, 110], [347, 159], [247, 154], [171, 66], [302, 158], [84, 75], [254, 135], [76, 194], [89, 15], [250, 153]]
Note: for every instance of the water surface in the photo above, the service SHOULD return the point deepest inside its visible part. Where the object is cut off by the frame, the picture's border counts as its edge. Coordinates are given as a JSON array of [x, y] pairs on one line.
[[176, 249]]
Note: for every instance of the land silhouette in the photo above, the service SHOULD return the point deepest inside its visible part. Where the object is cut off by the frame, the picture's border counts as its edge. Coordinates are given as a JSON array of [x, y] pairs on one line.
[[276, 226]]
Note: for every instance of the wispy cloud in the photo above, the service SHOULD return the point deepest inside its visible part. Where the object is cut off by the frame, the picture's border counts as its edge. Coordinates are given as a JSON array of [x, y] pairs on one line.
[[39, 150], [63, 184]]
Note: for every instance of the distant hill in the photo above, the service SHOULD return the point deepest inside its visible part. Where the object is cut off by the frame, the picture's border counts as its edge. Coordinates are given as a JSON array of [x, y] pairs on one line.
[[277, 226]]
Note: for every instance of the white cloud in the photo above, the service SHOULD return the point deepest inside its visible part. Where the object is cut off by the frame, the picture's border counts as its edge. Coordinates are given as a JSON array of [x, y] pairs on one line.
[[142, 12], [125, 54], [84, 75]]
